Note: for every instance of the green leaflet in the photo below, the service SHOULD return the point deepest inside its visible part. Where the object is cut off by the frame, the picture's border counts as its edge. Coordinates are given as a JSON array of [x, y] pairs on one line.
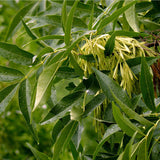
[[24, 100], [142, 150], [61, 37], [17, 19], [133, 114], [64, 138], [66, 73], [32, 35], [64, 15], [88, 57], [74, 151], [91, 17], [151, 25], [114, 15], [37, 154], [135, 101], [68, 27], [44, 51], [115, 93], [54, 20], [44, 82], [15, 54], [6, 96], [143, 6], [110, 45], [110, 131], [142, 147], [62, 107], [59, 126], [68, 52], [9, 74], [76, 65], [95, 102], [103, 14], [131, 17], [111, 89], [128, 149], [128, 33], [135, 63], [146, 85], [145, 142], [24, 104], [124, 123]]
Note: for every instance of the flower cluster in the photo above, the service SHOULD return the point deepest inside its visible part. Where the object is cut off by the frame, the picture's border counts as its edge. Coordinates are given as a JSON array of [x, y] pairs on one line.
[[125, 48]]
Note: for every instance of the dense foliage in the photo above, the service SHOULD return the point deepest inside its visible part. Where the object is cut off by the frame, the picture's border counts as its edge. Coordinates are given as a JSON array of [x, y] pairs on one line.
[[80, 80]]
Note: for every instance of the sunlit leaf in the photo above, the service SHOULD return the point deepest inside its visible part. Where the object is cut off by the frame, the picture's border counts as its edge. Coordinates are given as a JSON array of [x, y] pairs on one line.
[[9, 74], [142, 150], [44, 82], [131, 16]]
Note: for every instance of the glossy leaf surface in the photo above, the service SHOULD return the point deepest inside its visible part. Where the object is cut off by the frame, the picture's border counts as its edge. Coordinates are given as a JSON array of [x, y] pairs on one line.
[[131, 17], [68, 27], [15, 54], [124, 123], [6, 96], [62, 107], [24, 104], [44, 82], [115, 93], [9, 74]]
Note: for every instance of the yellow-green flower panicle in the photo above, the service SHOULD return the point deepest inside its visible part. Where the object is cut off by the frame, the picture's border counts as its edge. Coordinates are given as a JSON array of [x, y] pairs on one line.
[[125, 48]]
